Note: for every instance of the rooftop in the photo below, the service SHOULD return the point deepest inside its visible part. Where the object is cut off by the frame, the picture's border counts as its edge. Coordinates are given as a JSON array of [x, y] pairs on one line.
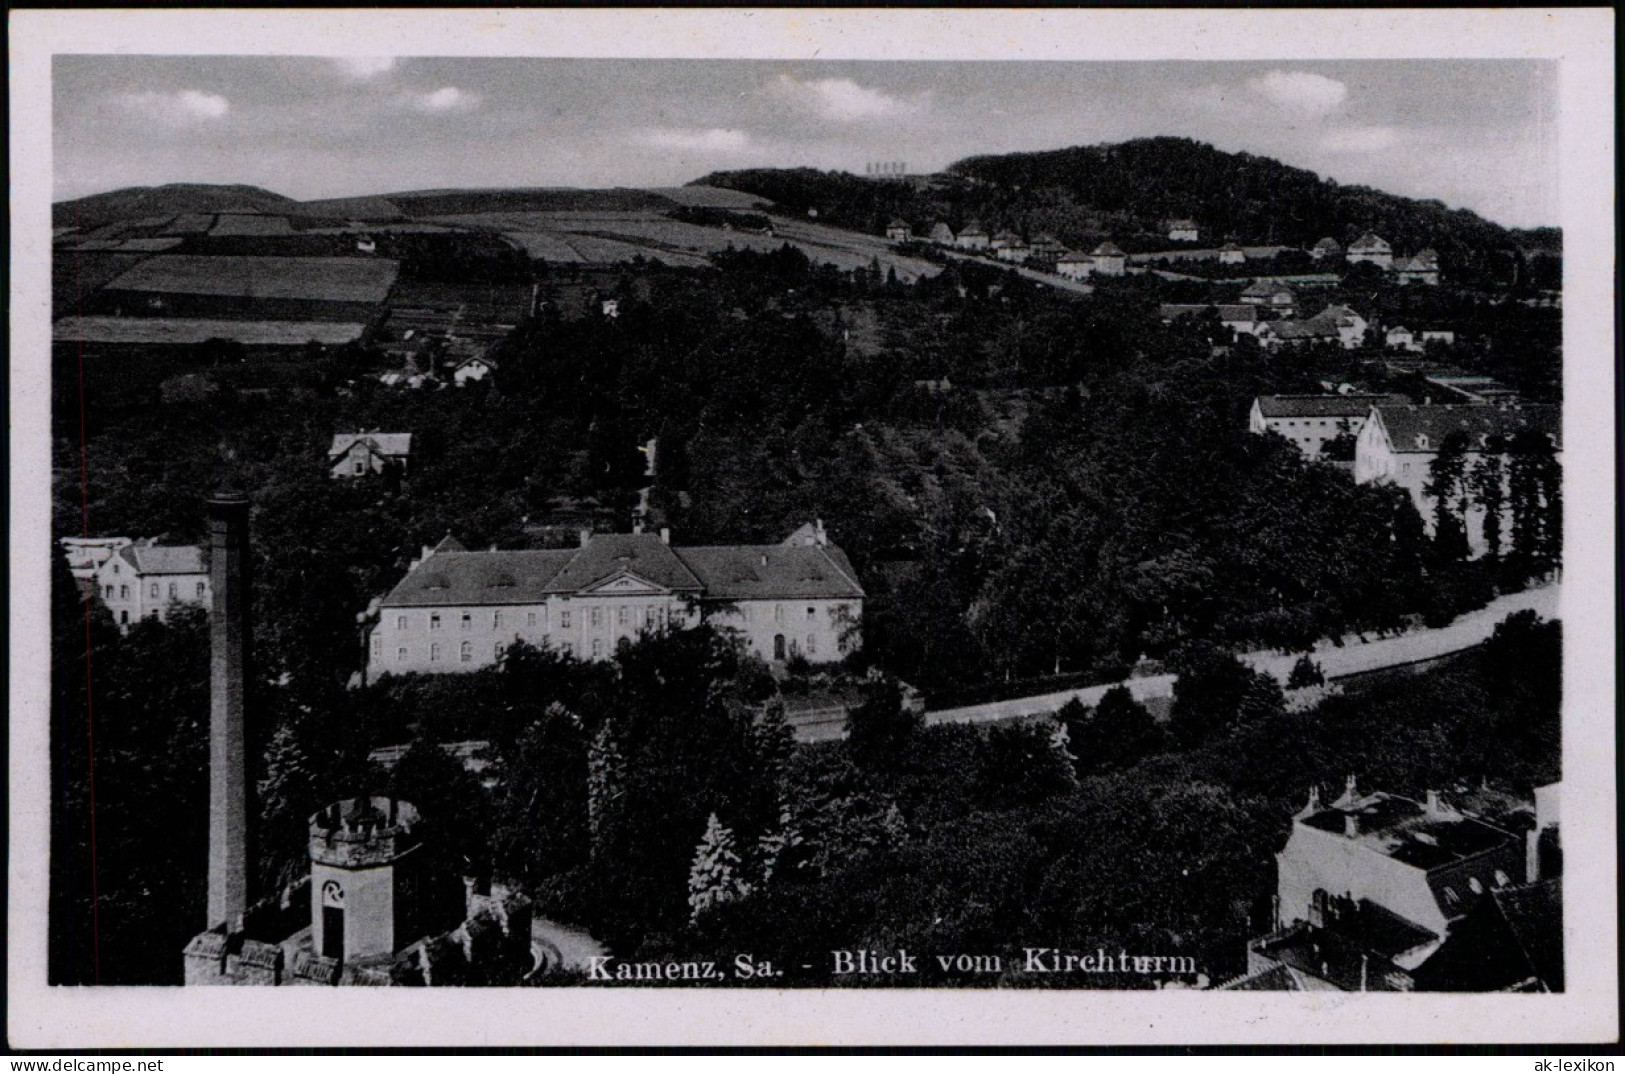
[[1321, 406], [389, 444], [1423, 428], [1406, 830], [164, 559]]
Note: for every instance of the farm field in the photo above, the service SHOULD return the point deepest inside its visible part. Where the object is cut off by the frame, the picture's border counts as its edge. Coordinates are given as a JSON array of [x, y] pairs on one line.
[[334, 279], [710, 197], [248, 224], [76, 275], [197, 330]]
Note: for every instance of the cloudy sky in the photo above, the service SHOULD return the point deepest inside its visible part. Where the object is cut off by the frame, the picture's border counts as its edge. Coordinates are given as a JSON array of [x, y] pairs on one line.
[[1472, 133]]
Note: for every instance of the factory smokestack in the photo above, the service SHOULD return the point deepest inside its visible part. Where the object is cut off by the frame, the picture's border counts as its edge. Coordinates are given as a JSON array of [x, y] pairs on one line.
[[229, 630]]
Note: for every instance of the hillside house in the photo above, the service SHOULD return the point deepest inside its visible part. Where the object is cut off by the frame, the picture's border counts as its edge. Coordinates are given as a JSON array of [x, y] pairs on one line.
[[1326, 249], [1370, 248], [1334, 324], [1400, 338], [1075, 266], [457, 610], [1422, 268], [1231, 254], [1310, 421], [973, 237], [1437, 335], [1381, 893], [1109, 260], [1274, 296], [942, 234], [475, 367], [1015, 252], [1183, 231], [141, 580], [1236, 317], [363, 453], [1399, 442], [1047, 246], [899, 231], [1004, 238]]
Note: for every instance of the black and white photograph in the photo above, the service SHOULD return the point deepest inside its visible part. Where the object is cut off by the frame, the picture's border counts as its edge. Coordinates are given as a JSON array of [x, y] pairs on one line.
[[828, 529]]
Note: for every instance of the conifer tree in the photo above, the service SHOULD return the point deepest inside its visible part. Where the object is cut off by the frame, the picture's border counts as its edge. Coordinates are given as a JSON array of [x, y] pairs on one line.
[[716, 876]]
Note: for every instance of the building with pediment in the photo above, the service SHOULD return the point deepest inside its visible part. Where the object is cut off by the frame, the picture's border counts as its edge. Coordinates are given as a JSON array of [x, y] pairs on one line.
[[458, 610]]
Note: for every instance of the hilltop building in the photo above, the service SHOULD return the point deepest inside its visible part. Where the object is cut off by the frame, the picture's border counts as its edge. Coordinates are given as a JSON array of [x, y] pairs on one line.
[[1380, 893], [1015, 251], [941, 234], [143, 580], [458, 610], [1334, 324], [1238, 318], [368, 452], [1310, 421], [1398, 444], [1400, 338], [898, 230], [1047, 246], [1074, 266], [1371, 248], [1231, 254], [1183, 231]]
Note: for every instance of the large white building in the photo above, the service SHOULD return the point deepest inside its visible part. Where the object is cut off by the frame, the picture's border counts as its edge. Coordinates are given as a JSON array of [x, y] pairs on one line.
[[458, 610], [1310, 421], [142, 580]]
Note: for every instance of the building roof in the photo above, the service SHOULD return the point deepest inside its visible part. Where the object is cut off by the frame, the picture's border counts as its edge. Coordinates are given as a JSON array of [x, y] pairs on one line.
[[732, 572], [611, 554], [324, 279], [1312, 328], [1408, 831], [1327, 243], [164, 559], [973, 228], [389, 445], [1007, 236], [895, 222], [1230, 247], [1370, 241], [1406, 424], [1108, 249], [1321, 406], [1267, 288], [940, 229], [1074, 257], [1277, 978], [1181, 225], [772, 572]]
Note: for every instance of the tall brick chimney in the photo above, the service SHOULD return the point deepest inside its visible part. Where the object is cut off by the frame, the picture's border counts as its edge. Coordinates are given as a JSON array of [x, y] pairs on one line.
[[229, 629]]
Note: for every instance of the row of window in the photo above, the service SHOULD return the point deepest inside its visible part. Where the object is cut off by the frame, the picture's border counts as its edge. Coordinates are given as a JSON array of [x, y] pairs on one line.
[[624, 616], [152, 591], [465, 651]]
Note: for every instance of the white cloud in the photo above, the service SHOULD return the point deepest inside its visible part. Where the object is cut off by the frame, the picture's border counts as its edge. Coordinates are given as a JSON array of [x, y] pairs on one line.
[[1308, 95], [445, 99], [714, 140], [845, 101], [1362, 139], [177, 107], [362, 68]]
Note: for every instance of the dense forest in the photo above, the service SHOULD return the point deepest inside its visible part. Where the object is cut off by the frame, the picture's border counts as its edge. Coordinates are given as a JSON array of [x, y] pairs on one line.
[[1127, 192]]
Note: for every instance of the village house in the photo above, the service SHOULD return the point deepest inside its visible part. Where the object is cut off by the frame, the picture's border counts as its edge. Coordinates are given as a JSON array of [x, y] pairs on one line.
[[1004, 238], [1183, 231], [1399, 442], [1370, 248], [142, 579], [1231, 254], [473, 368], [1075, 266], [1334, 324], [942, 234], [1275, 296], [1310, 421], [1437, 335], [1422, 268], [1381, 893], [1047, 246], [898, 230], [458, 610], [368, 452], [1109, 260], [1400, 338], [1016, 251], [972, 237], [1326, 249]]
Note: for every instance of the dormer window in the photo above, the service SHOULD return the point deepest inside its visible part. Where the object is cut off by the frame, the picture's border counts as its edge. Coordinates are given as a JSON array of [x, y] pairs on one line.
[[1422, 441]]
